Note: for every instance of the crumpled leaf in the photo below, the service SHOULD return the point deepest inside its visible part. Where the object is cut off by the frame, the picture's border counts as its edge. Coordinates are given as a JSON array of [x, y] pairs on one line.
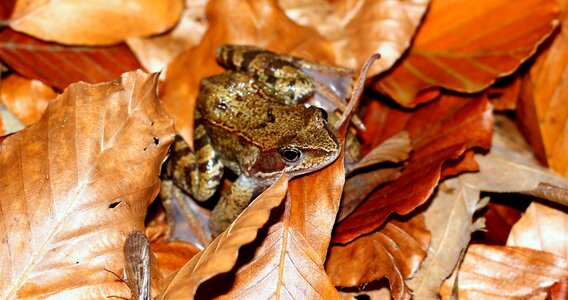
[[80, 178], [451, 50], [500, 272], [504, 94], [96, 22], [25, 98], [386, 26], [449, 219], [59, 66], [541, 228], [221, 255], [395, 251], [357, 187], [260, 23], [156, 52], [542, 111], [440, 132]]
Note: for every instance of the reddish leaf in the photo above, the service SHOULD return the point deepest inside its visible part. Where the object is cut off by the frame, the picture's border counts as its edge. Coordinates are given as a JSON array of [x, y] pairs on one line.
[[466, 45], [59, 66], [395, 251], [440, 131]]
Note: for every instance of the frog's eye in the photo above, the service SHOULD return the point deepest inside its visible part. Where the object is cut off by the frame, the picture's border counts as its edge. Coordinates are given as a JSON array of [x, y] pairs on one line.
[[290, 154]]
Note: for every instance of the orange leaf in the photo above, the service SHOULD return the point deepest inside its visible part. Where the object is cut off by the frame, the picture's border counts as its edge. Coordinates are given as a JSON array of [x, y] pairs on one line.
[[260, 23], [156, 52], [360, 28], [541, 228], [395, 251], [59, 66], [490, 272], [75, 184], [96, 22], [466, 45], [542, 109], [26, 99], [221, 255], [440, 131]]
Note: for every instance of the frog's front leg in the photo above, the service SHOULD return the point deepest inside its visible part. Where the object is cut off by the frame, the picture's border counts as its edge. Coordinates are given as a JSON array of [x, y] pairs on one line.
[[231, 204], [196, 173]]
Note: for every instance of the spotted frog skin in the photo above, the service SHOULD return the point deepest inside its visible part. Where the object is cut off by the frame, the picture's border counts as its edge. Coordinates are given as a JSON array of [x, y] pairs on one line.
[[249, 120]]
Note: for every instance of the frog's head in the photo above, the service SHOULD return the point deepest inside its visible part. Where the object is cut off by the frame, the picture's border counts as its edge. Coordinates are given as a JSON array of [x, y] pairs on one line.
[[301, 148]]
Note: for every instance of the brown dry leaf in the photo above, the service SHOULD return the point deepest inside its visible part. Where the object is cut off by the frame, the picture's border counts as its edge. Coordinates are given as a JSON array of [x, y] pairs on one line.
[[541, 228], [510, 168], [542, 108], [360, 185], [25, 98], [395, 251], [451, 49], [499, 272], [221, 255], [440, 132], [156, 52], [449, 219], [80, 178], [386, 26], [94, 22], [260, 23], [59, 66]]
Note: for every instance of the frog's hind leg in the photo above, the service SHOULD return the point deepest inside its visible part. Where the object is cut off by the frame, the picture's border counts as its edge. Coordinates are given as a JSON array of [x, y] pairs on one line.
[[199, 173], [233, 203]]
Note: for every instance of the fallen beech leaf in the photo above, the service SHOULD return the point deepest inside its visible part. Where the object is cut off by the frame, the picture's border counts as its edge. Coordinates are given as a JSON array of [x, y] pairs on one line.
[[221, 255], [491, 272], [451, 49], [156, 52], [386, 26], [395, 149], [59, 66], [360, 185], [6, 8], [260, 23], [96, 22], [449, 219], [440, 131], [500, 216], [542, 108], [395, 251], [25, 98], [75, 184], [541, 228], [511, 168]]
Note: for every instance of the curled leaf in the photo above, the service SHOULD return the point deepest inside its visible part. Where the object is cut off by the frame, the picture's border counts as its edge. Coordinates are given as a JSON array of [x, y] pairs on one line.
[[27, 99]]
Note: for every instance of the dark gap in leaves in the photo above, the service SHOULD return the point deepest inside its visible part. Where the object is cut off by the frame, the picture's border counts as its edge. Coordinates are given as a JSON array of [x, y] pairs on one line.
[[145, 148], [222, 283], [114, 204], [156, 141]]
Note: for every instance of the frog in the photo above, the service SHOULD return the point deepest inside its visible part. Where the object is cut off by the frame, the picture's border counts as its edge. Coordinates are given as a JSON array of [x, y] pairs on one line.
[[251, 120]]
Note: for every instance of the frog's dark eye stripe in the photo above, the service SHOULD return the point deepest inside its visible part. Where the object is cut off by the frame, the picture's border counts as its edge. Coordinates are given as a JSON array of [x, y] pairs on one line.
[[290, 154], [323, 113]]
